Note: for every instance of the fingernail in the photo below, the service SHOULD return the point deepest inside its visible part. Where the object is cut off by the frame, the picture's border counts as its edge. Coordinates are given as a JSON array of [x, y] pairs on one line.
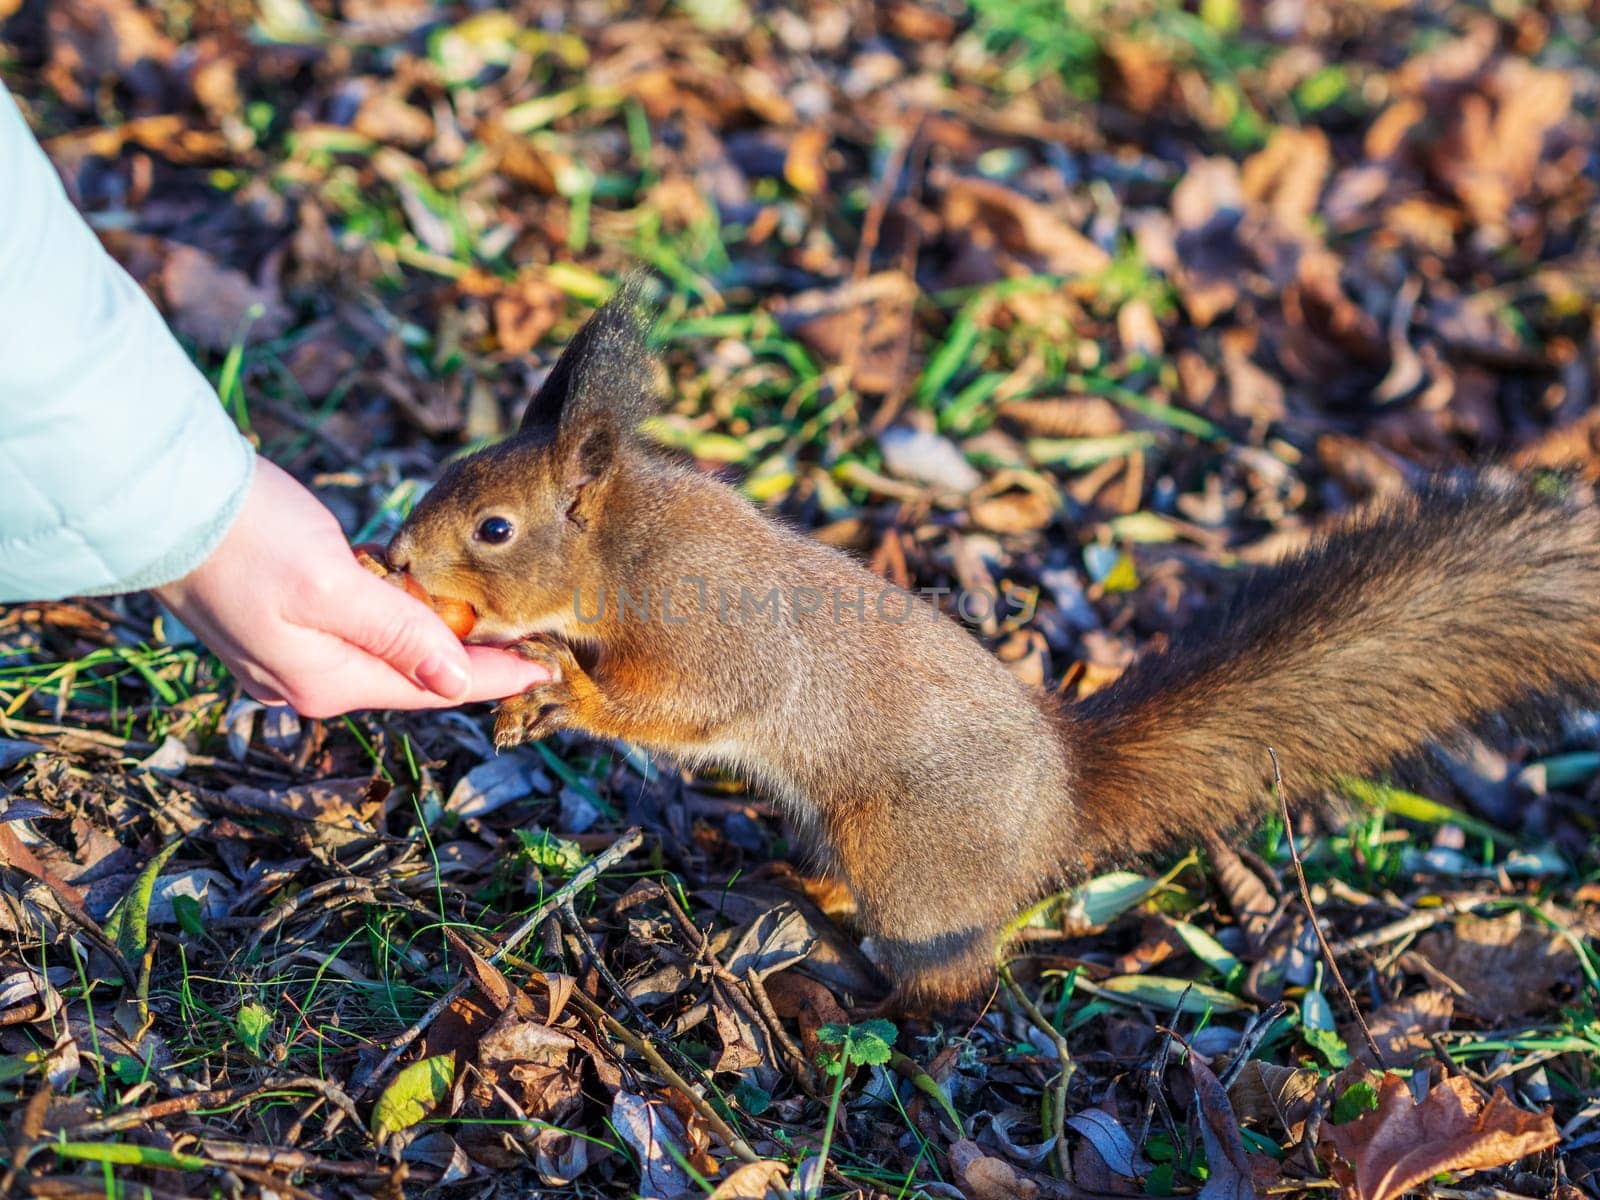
[[444, 676]]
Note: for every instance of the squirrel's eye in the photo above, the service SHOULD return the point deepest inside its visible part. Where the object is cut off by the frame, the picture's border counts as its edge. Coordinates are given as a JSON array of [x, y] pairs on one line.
[[494, 530]]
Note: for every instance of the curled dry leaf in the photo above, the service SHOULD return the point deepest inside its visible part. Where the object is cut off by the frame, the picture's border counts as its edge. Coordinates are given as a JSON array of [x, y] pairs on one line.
[[753, 1181], [1068, 417], [659, 1143], [804, 168], [1230, 1177], [1252, 904], [217, 305], [1391, 1150], [1021, 511], [1273, 1095], [984, 1177], [1505, 966], [1401, 1028], [993, 216]]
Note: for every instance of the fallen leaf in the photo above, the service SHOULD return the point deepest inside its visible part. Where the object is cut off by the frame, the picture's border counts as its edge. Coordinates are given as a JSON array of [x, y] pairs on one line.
[[803, 166], [993, 215], [1068, 417], [1111, 1141], [984, 1177], [753, 1181], [1266, 1093], [415, 1092], [864, 324], [658, 1141], [1385, 1153], [927, 458], [218, 305], [1207, 206], [1230, 1176], [1505, 966], [1020, 511], [1401, 1028], [1286, 176]]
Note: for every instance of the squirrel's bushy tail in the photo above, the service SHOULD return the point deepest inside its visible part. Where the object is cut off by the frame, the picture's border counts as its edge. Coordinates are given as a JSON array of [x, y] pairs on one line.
[[1392, 631]]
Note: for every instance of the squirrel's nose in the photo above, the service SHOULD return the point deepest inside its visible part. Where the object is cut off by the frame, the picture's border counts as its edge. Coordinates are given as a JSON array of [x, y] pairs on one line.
[[399, 554]]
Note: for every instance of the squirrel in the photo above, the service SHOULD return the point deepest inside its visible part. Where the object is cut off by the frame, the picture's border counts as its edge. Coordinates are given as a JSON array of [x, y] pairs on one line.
[[675, 615]]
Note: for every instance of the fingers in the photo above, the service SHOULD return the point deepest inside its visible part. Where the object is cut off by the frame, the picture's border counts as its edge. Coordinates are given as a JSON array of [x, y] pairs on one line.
[[497, 674], [346, 678], [359, 681], [398, 630]]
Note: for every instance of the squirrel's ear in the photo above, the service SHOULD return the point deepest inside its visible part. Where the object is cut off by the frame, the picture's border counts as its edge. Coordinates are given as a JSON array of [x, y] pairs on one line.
[[606, 375]]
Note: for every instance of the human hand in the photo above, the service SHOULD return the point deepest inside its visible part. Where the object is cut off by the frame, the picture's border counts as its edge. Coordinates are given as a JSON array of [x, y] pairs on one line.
[[284, 604]]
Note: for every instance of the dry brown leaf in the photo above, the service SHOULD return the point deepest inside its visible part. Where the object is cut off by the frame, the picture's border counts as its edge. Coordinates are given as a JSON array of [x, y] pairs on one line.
[[1021, 511], [1387, 1152], [1500, 138], [865, 324], [753, 1181], [386, 118], [1137, 73], [1072, 417], [1231, 1177], [174, 138], [1253, 392], [1401, 1028], [991, 214], [1207, 206], [983, 1177], [803, 166], [217, 305], [808, 1003], [1138, 330], [1326, 334], [1286, 176], [95, 39], [524, 311], [1267, 1093], [1505, 966]]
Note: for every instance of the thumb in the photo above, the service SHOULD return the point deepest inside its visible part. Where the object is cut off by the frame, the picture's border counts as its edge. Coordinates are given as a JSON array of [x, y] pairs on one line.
[[402, 631]]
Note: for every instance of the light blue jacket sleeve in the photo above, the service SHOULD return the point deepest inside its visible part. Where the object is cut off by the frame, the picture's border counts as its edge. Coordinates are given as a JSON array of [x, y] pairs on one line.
[[119, 469]]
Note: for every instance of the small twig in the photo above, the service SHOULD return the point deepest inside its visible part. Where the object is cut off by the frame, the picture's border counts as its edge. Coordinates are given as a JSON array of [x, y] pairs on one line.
[[804, 1072], [759, 1009], [1058, 1106], [651, 1055], [1316, 925], [569, 918], [316, 892], [279, 1158], [1254, 1034], [597, 866], [1415, 923], [215, 1098]]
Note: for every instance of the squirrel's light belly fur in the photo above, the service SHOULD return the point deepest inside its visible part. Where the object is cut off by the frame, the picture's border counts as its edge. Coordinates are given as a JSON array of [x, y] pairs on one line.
[[946, 793]]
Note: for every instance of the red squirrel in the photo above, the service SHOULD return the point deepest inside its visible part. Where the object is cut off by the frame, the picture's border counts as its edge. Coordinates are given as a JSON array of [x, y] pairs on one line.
[[675, 615]]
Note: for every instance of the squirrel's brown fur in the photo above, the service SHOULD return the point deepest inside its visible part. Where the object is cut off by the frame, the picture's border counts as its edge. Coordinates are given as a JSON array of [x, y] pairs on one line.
[[947, 794]]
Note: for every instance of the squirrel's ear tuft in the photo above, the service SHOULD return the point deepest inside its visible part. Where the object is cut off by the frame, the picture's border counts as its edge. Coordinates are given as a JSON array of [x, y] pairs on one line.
[[606, 375]]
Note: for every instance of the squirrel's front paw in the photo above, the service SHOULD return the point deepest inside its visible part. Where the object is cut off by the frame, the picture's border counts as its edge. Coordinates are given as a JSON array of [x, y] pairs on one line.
[[552, 654], [543, 708], [537, 713]]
